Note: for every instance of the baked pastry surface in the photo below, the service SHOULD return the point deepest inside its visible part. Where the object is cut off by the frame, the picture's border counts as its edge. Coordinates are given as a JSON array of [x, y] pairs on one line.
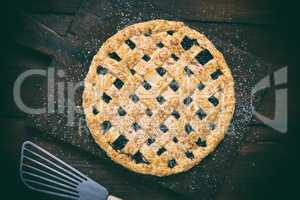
[[158, 97]]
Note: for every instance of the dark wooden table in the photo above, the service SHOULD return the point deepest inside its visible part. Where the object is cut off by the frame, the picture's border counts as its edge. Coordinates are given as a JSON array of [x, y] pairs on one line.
[[251, 25]]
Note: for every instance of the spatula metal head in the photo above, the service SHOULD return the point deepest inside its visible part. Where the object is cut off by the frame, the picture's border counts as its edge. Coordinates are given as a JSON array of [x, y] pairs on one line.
[[41, 171]]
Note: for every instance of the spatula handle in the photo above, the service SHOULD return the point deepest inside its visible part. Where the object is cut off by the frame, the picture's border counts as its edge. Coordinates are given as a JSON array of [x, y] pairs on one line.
[[110, 197]]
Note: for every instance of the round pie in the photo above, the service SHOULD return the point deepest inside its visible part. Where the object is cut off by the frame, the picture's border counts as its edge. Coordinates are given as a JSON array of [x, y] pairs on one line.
[[158, 97]]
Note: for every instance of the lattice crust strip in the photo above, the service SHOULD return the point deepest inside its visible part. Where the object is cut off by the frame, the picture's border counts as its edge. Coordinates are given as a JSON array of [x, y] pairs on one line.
[[158, 97]]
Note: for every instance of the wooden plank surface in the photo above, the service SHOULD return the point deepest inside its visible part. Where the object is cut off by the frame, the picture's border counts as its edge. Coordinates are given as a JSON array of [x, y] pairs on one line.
[[229, 11], [58, 23], [52, 6], [253, 175], [18, 60]]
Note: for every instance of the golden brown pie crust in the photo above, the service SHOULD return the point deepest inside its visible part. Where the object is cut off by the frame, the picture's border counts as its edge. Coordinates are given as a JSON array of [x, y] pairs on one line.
[[158, 97]]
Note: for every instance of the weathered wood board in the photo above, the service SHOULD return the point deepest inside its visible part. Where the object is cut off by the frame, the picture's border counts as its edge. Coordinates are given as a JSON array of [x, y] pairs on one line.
[[92, 26]]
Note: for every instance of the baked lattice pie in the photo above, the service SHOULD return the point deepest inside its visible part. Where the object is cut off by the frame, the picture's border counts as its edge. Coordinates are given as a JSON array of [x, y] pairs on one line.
[[158, 97]]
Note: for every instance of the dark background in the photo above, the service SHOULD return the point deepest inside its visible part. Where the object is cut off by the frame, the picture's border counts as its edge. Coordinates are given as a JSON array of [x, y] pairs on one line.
[[263, 169]]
